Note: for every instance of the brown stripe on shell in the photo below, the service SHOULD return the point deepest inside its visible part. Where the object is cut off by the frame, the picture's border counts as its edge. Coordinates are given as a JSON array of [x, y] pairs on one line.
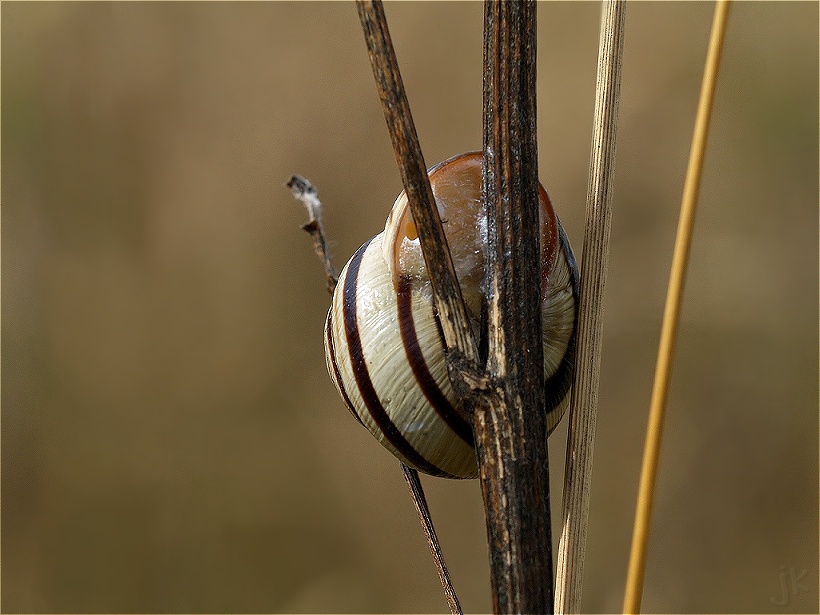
[[418, 364], [362, 376]]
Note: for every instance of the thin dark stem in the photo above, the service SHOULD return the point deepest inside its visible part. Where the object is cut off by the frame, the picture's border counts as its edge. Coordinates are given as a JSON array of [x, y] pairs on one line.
[[455, 325], [306, 192], [511, 435], [414, 484]]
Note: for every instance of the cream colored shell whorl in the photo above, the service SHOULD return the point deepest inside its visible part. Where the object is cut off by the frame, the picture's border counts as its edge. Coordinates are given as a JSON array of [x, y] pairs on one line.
[[383, 341]]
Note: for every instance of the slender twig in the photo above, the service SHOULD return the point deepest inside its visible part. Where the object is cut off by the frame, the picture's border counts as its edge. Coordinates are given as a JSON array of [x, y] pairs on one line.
[[414, 484], [671, 316], [306, 192], [510, 431], [581, 438]]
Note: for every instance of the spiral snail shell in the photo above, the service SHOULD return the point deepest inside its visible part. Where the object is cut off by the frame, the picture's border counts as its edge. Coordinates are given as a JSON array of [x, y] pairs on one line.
[[383, 342]]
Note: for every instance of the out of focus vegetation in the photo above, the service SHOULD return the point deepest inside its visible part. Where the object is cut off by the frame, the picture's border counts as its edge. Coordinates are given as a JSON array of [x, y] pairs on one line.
[[170, 439]]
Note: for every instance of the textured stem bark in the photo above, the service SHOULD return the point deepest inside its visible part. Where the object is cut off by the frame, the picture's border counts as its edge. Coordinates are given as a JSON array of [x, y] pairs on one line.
[[510, 424]]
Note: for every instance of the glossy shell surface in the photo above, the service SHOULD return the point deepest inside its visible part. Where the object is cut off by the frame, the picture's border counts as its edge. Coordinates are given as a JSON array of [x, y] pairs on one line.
[[383, 341]]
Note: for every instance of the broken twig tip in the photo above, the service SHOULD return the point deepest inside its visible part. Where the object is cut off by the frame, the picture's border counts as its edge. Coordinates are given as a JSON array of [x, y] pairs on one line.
[[301, 187], [306, 192]]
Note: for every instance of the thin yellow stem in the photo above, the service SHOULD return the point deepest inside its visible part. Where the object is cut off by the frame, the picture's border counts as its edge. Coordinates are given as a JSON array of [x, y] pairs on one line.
[[671, 316]]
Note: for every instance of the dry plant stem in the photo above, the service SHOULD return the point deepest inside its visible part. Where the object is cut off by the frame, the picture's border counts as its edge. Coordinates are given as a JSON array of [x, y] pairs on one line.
[[581, 438], [671, 316], [510, 456], [460, 344], [510, 427], [414, 484], [306, 192]]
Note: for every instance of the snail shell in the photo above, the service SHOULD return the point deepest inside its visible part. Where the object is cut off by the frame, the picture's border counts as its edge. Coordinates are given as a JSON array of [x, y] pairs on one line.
[[383, 341]]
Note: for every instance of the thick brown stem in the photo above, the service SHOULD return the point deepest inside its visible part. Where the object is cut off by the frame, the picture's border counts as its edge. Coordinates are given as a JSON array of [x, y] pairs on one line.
[[511, 431]]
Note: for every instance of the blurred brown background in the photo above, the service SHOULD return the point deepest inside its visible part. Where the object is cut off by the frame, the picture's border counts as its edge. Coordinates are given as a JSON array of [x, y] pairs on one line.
[[170, 439]]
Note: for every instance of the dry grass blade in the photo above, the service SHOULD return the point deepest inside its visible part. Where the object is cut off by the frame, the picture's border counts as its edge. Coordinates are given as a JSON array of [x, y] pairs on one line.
[[671, 316], [578, 474]]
